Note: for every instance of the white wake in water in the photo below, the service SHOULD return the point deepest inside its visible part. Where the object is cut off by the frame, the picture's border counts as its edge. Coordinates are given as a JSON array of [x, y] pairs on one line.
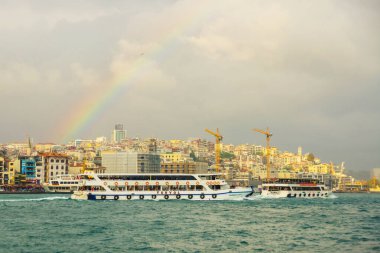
[[261, 197], [39, 199]]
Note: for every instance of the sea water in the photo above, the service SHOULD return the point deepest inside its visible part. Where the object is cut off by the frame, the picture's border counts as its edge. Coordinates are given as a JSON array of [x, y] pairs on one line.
[[55, 223]]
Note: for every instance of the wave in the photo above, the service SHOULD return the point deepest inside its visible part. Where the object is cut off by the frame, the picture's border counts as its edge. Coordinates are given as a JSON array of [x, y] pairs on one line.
[[39, 199]]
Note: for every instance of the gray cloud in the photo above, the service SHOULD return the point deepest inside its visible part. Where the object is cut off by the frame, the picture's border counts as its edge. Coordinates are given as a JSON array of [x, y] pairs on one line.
[[307, 69]]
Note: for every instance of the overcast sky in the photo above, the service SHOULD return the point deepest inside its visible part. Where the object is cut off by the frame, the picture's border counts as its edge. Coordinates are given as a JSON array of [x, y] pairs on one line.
[[309, 70]]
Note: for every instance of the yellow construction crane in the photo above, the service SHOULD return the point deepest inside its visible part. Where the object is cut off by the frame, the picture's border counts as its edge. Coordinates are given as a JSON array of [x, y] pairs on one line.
[[268, 135], [218, 150]]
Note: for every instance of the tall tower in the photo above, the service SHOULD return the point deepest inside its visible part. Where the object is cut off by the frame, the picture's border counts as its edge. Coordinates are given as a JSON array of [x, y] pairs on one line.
[[299, 151], [118, 134]]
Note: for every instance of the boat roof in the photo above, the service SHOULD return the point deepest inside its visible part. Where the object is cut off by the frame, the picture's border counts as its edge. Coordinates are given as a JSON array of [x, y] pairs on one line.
[[291, 181]]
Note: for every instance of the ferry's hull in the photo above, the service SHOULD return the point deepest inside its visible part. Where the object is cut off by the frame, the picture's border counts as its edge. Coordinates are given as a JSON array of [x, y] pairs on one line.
[[220, 195], [296, 194]]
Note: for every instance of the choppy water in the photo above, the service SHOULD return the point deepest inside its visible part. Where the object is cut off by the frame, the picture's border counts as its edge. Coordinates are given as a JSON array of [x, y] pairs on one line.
[[51, 223]]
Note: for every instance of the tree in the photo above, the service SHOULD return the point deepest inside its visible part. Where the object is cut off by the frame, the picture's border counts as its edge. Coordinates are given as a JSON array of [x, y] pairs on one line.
[[310, 157], [192, 155], [226, 155]]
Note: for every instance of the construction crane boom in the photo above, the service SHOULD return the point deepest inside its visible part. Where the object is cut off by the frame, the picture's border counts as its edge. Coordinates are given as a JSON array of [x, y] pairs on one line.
[[218, 150], [268, 136]]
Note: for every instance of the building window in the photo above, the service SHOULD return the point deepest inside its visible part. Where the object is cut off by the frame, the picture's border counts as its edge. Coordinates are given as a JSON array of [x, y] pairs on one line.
[[56, 167], [51, 167], [62, 161], [51, 160]]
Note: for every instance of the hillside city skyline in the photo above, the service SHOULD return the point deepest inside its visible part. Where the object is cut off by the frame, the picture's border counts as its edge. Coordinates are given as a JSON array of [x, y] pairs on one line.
[[110, 139]]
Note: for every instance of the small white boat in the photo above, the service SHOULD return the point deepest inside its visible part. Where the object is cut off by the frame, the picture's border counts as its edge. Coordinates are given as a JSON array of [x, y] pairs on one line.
[[294, 188], [156, 187], [62, 184]]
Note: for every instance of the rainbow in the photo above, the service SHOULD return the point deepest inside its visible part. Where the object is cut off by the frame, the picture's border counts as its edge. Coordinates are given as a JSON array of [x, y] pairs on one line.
[[85, 114]]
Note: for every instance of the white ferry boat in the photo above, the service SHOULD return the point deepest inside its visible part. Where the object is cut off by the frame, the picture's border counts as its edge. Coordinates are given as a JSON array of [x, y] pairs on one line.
[[294, 188], [62, 184], [156, 186]]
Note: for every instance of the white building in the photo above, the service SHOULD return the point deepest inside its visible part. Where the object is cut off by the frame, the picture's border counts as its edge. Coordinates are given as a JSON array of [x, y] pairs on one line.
[[51, 165], [126, 162]]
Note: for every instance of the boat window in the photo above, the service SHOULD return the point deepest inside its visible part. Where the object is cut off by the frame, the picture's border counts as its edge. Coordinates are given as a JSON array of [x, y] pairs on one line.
[[152, 188], [199, 187], [305, 188], [215, 187], [172, 177], [274, 188], [173, 188]]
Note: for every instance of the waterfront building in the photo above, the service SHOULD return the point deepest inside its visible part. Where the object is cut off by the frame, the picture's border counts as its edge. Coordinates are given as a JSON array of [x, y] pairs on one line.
[[28, 167], [13, 168], [32, 167], [40, 171], [118, 134], [54, 164], [2, 170], [129, 162]]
